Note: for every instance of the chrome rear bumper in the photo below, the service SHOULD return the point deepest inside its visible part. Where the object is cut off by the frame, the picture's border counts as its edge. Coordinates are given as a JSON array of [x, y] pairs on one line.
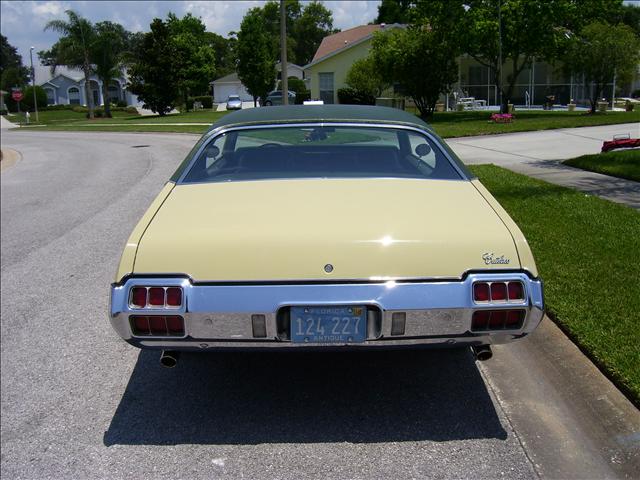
[[220, 316]]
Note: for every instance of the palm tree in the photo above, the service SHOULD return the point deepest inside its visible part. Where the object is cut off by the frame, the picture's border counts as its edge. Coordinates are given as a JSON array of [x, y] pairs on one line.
[[73, 47], [107, 52]]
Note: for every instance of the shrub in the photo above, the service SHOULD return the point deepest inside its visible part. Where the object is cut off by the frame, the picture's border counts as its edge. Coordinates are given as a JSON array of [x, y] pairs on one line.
[[58, 107], [206, 100], [41, 98], [80, 109], [121, 103], [303, 97], [131, 110], [351, 96], [636, 93], [97, 112]]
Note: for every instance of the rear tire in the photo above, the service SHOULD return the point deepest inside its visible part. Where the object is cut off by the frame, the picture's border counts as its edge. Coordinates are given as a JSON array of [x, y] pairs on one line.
[[268, 103]]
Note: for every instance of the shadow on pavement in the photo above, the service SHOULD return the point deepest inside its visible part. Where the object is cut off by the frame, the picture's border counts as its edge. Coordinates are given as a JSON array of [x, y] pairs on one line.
[[252, 398]]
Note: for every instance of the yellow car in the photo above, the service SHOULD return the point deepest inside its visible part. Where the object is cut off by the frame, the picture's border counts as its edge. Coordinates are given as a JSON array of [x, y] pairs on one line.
[[324, 227]]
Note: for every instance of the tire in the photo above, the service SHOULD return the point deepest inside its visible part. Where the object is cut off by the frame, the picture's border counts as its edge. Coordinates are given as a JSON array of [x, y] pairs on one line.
[[268, 103]]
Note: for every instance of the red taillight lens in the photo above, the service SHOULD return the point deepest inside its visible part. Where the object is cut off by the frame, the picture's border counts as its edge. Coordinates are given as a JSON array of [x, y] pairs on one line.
[[140, 325], [480, 320], [514, 319], [175, 325], [174, 296], [481, 292], [497, 320], [158, 326], [139, 297], [498, 291], [516, 291], [156, 296]]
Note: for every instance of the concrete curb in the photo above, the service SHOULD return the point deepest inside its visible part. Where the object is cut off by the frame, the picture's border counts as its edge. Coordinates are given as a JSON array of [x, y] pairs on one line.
[[572, 421]]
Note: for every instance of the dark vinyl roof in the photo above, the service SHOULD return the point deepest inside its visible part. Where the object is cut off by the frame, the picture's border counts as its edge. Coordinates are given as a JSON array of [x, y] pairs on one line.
[[319, 113]]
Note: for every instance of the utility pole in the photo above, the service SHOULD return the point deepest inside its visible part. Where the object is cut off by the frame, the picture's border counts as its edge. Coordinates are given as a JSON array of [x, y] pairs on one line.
[[33, 84], [500, 51], [283, 53]]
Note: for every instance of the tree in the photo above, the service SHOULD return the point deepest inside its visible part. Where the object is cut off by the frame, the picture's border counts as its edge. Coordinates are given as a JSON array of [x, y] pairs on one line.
[[315, 23], [601, 51], [497, 32], [270, 13], [256, 65], [224, 52], [364, 77], [73, 49], [419, 60], [151, 77], [194, 58], [108, 54], [12, 72], [394, 11]]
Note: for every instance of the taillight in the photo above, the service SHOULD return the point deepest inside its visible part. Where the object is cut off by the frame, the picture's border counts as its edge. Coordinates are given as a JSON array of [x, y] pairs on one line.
[[157, 325], [174, 296], [480, 320], [481, 292], [156, 297], [498, 291], [510, 291], [516, 291], [497, 320], [139, 297]]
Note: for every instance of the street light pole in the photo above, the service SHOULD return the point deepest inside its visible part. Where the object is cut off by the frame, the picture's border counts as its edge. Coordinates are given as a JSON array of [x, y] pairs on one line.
[[33, 84], [283, 53]]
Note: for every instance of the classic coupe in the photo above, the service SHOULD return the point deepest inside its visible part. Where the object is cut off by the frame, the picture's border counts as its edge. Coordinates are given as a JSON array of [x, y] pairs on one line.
[[324, 227]]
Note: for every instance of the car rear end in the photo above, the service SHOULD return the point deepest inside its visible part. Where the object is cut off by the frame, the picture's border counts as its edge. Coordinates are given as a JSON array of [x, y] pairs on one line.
[[303, 237]]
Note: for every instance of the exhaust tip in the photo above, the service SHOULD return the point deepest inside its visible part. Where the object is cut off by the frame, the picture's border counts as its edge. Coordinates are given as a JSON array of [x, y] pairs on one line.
[[169, 359], [482, 352]]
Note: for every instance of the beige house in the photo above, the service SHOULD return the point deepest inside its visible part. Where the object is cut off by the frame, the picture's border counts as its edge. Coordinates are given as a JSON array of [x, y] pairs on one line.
[[534, 86], [335, 55]]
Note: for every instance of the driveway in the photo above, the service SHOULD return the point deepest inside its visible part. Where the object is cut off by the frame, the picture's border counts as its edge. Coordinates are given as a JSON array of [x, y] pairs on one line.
[[77, 402], [538, 154]]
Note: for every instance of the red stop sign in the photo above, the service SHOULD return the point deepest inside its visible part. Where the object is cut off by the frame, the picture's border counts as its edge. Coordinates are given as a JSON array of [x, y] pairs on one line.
[[17, 95]]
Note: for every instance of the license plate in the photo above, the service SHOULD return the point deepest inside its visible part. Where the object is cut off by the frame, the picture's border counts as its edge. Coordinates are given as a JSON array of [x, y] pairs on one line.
[[328, 324]]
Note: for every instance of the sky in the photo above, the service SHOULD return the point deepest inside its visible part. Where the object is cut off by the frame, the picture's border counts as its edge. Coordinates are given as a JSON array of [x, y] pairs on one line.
[[22, 22]]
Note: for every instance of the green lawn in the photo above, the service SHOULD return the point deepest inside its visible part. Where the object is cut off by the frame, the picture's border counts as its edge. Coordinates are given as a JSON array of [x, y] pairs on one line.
[[446, 124], [462, 124], [587, 251], [622, 164]]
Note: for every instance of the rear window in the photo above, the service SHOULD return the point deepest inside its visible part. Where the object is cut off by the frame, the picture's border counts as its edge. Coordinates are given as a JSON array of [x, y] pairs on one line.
[[320, 152]]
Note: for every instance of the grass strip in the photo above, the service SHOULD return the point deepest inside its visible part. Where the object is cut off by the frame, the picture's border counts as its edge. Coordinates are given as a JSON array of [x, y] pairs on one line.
[[587, 252], [446, 124], [621, 164]]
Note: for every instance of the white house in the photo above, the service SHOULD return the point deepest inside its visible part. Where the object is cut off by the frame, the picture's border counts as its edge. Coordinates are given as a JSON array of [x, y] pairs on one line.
[[231, 84], [66, 87]]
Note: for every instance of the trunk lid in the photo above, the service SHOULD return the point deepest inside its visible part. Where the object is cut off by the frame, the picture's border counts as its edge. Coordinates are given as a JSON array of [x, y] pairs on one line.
[[290, 229]]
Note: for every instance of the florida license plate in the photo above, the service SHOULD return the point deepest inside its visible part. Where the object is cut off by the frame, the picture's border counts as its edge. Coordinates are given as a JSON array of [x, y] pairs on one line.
[[328, 324]]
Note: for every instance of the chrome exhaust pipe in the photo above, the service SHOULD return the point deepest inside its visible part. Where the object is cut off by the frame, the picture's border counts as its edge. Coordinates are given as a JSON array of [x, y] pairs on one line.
[[169, 358], [482, 352]]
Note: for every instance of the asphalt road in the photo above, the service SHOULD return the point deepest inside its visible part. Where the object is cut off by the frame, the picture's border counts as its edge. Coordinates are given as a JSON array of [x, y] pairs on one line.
[[77, 402]]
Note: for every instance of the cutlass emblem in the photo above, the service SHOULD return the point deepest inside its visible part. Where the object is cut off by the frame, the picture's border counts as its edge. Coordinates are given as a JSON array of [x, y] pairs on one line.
[[492, 259]]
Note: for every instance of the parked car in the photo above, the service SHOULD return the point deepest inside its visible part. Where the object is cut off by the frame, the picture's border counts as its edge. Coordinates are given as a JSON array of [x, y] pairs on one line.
[[234, 102], [275, 98], [324, 226]]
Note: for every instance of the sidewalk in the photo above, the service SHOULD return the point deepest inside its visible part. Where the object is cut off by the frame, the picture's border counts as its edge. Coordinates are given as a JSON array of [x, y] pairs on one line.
[[539, 155], [6, 124]]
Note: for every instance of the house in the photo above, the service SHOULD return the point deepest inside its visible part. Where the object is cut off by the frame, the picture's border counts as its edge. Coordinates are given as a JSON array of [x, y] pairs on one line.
[[328, 69], [66, 86], [231, 84]]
